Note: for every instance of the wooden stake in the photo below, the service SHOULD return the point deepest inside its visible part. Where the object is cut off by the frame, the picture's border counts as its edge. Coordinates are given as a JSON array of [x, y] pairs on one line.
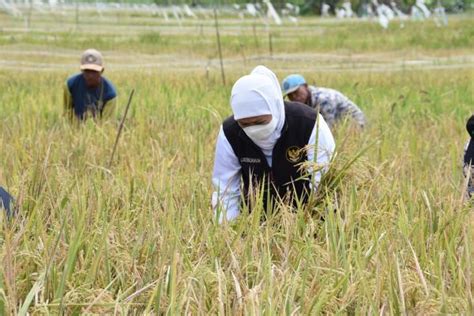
[[219, 46], [77, 15], [120, 128], [270, 44], [255, 38]]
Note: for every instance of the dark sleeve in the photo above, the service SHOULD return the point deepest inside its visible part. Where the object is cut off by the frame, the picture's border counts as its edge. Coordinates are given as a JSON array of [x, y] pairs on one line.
[[469, 168], [68, 105]]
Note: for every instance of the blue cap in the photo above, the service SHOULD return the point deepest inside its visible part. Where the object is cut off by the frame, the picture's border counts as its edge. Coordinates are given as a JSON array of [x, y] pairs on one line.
[[292, 83]]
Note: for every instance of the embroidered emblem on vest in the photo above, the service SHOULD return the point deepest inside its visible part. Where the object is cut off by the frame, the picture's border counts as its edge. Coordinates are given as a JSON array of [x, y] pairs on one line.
[[250, 160], [293, 154]]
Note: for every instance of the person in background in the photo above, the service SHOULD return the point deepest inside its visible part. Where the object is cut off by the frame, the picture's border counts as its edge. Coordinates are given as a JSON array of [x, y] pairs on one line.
[[469, 158], [332, 104], [6, 201], [88, 94], [264, 143]]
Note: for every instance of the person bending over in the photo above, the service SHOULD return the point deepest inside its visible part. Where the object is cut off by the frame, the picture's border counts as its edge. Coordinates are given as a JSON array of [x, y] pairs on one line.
[[332, 104], [263, 145], [88, 94]]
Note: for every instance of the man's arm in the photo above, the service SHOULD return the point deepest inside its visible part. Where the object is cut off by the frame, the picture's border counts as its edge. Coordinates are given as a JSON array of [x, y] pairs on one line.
[[67, 103], [469, 168], [109, 109], [226, 180], [346, 107], [322, 144]]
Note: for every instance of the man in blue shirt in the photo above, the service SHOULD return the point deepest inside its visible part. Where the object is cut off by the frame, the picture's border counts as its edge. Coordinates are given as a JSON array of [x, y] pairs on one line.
[[89, 94]]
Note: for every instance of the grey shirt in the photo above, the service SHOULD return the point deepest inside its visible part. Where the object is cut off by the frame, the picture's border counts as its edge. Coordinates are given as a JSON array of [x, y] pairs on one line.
[[334, 106]]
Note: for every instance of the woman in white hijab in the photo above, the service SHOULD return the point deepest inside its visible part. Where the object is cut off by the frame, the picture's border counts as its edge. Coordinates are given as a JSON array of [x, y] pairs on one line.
[[266, 140]]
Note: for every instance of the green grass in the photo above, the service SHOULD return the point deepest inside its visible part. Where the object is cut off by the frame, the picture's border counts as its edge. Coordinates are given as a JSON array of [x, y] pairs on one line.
[[154, 35], [140, 237]]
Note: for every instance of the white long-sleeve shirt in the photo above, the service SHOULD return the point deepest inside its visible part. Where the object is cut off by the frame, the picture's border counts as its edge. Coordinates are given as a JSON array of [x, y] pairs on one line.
[[226, 177]]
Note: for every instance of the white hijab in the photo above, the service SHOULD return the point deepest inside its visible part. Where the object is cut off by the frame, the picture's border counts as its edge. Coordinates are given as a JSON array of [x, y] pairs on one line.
[[259, 94]]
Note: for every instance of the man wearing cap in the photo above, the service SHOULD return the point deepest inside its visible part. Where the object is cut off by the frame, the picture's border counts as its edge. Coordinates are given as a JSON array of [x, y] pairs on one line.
[[89, 94], [469, 158], [333, 105]]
